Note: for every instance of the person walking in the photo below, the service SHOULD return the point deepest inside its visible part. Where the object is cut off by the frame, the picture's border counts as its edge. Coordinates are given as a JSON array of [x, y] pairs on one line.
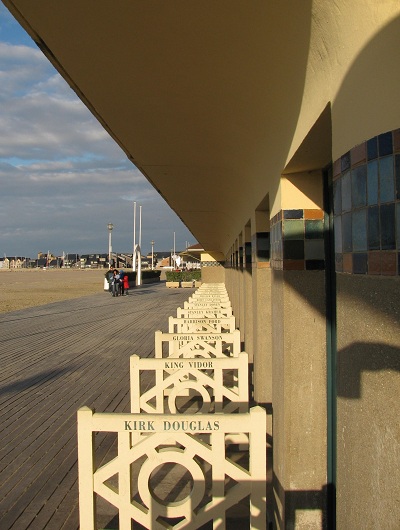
[[121, 282], [109, 277], [115, 283], [126, 284]]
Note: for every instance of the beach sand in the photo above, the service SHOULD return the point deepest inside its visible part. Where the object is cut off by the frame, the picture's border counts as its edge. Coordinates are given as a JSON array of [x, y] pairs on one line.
[[21, 288]]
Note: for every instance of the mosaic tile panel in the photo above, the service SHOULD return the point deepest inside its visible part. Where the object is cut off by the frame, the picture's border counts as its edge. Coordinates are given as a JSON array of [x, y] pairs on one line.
[[261, 247], [297, 240], [366, 206]]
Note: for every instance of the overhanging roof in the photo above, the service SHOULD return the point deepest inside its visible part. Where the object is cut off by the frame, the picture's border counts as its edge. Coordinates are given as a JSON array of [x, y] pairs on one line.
[[200, 95]]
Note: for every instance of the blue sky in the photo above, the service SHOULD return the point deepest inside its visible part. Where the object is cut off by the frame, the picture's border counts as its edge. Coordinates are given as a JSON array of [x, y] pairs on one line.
[[62, 178]]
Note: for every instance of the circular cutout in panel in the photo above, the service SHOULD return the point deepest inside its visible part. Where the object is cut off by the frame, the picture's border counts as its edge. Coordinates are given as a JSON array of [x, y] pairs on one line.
[[182, 388], [177, 508]]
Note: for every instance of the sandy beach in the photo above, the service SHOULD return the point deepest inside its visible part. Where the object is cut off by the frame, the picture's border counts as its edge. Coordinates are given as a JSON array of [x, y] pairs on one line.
[[21, 288]]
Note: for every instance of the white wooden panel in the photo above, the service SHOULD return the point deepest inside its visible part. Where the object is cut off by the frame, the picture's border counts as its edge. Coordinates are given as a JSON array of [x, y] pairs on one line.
[[212, 379], [177, 440], [198, 344]]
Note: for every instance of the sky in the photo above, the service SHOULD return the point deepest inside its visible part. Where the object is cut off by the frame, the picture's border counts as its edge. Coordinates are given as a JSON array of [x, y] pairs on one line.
[[62, 177]]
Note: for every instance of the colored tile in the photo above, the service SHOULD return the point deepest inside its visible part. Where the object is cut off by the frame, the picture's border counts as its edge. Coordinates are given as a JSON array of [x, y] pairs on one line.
[[314, 214], [385, 144], [337, 197], [262, 246], [293, 250], [398, 226], [374, 240], [345, 162], [388, 261], [314, 229], [348, 263], [347, 232], [337, 228], [359, 186], [374, 262], [293, 229], [346, 192], [372, 182], [372, 148], [293, 265], [358, 154], [314, 249], [387, 223], [359, 230], [397, 175], [360, 263], [315, 265], [386, 180], [263, 265], [247, 251], [396, 140], [293, 214]]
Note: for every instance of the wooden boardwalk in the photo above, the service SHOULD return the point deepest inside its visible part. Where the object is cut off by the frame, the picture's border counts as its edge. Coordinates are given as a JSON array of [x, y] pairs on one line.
[[55, 359]]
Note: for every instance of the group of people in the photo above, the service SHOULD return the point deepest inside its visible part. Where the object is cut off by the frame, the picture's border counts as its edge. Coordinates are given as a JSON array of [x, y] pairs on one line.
[[118, 282]]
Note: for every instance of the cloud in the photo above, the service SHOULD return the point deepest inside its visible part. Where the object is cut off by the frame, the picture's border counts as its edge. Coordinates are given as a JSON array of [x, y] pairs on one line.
[[62, 178]]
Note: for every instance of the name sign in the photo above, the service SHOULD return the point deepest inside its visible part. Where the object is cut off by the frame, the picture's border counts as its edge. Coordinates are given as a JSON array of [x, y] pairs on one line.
[[197, 336], [171, 425], [199, 365], [201, 321], [193, 305], [122, 422]]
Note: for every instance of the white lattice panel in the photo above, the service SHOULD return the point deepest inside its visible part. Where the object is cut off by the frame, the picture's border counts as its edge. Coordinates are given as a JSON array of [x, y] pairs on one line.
[[221, 384], [218, 482]]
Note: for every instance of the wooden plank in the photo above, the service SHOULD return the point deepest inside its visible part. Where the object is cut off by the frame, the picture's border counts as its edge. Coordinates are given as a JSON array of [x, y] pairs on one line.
[[55, 359]]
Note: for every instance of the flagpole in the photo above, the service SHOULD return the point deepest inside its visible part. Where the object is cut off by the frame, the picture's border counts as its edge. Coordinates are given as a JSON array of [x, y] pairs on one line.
[[140, 228], [174, 252], [134, 238]]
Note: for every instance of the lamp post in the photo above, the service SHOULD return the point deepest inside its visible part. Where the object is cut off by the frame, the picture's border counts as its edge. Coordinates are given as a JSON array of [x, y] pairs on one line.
[[152, 255], [110, 226]]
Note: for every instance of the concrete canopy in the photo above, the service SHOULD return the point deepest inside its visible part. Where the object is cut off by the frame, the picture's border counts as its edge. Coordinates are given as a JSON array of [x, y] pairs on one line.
[[204, 97]]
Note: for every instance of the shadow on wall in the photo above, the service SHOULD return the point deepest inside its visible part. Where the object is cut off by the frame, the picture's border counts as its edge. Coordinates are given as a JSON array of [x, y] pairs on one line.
[[361, 357], [300, 501]]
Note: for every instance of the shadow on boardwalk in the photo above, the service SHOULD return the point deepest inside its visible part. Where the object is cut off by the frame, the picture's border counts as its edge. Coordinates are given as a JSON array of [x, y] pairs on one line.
[[55, 359]]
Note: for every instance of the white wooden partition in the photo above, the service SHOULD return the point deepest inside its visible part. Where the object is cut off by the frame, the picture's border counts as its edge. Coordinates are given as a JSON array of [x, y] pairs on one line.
[[198, 344], [172, 439], [197, 325], [222, 384]]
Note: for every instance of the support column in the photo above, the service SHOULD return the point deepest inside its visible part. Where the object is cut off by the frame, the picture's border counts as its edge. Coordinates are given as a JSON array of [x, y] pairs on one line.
[[299, 355], [241, 301], [261, 286], [236, 285], [248, 293]]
